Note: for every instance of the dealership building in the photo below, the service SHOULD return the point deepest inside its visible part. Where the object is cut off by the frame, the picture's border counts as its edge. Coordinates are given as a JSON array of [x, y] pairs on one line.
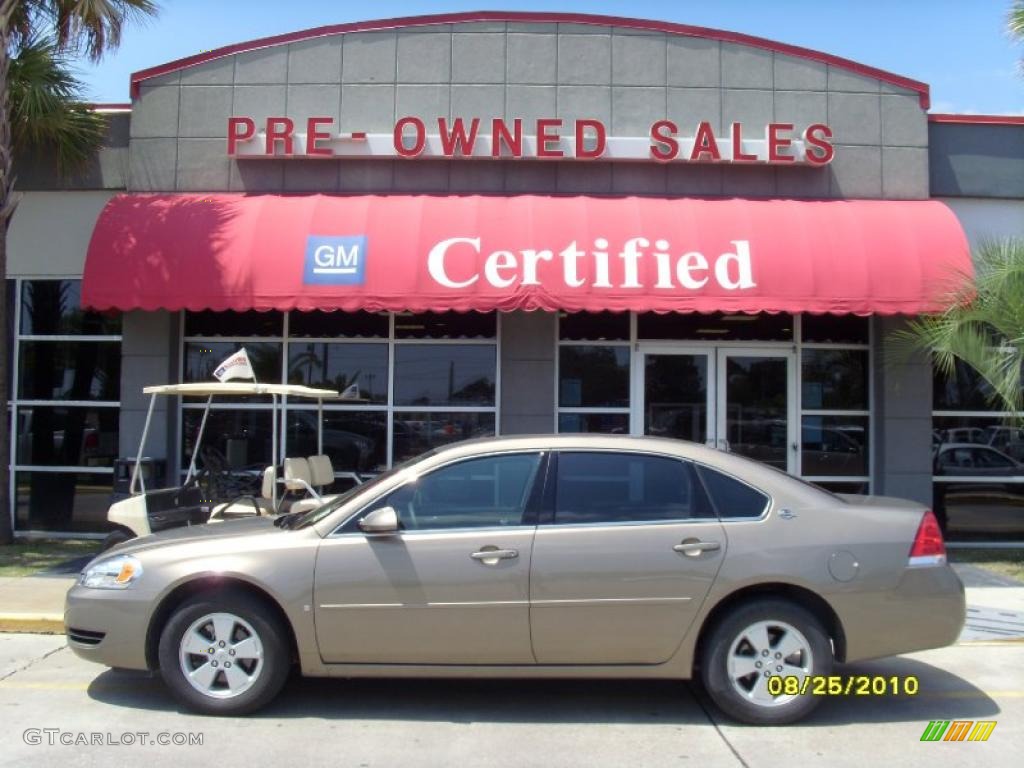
[[504, 223]]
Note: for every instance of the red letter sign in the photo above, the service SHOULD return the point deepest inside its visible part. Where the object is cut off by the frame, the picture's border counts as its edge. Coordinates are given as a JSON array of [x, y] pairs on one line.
[[776, 142], [420, 139], [248, 130], [704, 143], [279, 129], [599, 135], [456, 140], [544, 137], [738, 155], [817, 136], [313, 135], [664, 146], [500, 135]]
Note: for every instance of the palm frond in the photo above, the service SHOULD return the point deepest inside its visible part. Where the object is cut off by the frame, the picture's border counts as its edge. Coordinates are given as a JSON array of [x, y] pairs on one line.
[[983, 329], [94, 26], [47, 113]]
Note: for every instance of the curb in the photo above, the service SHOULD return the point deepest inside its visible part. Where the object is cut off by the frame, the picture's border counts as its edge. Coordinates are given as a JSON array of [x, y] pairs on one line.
[[37, 623]]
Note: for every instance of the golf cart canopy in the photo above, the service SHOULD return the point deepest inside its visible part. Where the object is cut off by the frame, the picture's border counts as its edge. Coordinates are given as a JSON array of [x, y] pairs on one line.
[[239, 388]]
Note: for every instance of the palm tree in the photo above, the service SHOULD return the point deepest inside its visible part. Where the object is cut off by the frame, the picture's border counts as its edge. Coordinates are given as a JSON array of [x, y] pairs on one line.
[[41, 111], [984, 326]]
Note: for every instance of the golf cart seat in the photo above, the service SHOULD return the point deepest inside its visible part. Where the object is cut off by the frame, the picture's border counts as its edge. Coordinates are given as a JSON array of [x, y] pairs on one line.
[[321, 472], [247, 506], [299, 479]]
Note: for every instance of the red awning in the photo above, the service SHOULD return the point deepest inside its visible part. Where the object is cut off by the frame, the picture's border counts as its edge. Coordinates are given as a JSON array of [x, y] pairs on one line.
[[420, 253]]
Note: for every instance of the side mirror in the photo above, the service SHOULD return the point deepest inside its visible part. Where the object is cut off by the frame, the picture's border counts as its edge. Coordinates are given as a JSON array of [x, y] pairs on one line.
[[383, 520]]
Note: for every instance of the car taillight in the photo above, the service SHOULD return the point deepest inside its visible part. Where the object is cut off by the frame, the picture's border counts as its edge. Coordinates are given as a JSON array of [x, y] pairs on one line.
[[928, 547]]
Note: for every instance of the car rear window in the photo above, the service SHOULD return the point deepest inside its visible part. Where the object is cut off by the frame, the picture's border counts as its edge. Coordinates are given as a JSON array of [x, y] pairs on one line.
[[733, 499], [606, 487]]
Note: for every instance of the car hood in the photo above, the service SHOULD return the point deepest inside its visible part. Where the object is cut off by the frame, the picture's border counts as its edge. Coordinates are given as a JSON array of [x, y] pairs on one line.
[[228, 529]]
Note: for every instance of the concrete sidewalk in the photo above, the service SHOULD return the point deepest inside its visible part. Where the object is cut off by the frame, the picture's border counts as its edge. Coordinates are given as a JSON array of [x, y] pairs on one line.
[[36, 604], [33, 603]]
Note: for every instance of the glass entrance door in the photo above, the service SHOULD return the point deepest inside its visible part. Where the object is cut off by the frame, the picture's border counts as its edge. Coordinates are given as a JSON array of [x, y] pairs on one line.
[[737, 399]]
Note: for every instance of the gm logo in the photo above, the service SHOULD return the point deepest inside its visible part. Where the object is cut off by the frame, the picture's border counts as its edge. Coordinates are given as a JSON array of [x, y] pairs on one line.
[[335, 260]]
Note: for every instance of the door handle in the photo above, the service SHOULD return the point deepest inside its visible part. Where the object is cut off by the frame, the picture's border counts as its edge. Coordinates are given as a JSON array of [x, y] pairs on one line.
[[491, 556], [694, 548]]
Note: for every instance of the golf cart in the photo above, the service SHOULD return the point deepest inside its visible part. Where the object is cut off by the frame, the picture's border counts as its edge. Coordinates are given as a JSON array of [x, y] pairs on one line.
[[217, 490]]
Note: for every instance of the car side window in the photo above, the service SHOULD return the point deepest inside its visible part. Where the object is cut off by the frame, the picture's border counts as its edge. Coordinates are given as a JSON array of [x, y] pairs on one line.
[[605, 487], [477, 493], [733, 499]]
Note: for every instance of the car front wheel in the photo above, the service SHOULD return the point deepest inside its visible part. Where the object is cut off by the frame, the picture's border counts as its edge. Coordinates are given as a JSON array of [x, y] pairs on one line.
[[756, 642], [224, 653]]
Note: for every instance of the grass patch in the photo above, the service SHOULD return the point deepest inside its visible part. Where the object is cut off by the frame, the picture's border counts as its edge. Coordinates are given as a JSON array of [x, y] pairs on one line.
[[1005, 562], [28, 557]]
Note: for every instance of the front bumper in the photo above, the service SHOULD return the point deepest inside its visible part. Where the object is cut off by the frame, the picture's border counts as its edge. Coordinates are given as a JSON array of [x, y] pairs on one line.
[[926, 609], [108, 626]]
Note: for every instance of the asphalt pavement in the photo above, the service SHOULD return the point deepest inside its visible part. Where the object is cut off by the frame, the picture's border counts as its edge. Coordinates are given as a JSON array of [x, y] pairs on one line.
[[47, 693]]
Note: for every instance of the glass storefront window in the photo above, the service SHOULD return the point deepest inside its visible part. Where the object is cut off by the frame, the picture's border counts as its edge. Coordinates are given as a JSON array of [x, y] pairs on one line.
[[446, 325], [605, 423], [593, 376], [835, 329], [69, 370], [66, 436], [965, 390], [338, 325], [416, 432], [714, 326], [234, 440], [238, 324], [54, 308], [203, 357], [356, 441], [834, 446], [358, 370], [445, 374], [63, 448], [835, 379], [593, 326], [70, 502]]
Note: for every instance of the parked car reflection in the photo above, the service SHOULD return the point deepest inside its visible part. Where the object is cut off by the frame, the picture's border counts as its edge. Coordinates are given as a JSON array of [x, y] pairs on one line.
[[987, 495]]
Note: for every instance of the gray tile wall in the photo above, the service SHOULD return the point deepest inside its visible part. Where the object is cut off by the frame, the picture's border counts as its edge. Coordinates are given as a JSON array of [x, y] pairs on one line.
[[628, 78], [528, 373], [148, 350], [903, 419]]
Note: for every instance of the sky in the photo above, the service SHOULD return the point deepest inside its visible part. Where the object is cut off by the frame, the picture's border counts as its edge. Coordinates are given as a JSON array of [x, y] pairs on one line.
[[959, 47]]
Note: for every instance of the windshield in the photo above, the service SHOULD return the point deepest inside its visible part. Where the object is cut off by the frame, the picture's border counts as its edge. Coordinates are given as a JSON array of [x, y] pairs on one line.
[[313, 516]]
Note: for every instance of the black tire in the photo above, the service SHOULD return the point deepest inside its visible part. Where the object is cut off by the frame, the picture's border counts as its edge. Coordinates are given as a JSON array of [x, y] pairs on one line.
[[715, 659], [273, 668], [115, 537]]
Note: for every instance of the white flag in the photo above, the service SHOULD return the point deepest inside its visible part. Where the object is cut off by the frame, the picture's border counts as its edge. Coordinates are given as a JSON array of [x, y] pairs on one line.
[[235, 367], [351, 392]]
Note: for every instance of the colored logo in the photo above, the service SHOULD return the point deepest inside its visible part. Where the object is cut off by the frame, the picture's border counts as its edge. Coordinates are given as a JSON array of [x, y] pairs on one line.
[[958, 730], [335, 260]]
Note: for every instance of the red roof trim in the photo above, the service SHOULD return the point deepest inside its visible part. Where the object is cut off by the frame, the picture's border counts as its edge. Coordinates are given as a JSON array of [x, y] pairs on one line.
[[542, 18], [976, 119]]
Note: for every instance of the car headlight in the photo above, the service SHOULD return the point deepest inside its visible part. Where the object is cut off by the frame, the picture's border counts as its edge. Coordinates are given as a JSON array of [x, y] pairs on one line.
[[112, 573]]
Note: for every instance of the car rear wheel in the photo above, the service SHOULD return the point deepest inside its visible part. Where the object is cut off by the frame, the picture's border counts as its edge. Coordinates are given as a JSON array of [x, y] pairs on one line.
[[224, 653], [757, 641]]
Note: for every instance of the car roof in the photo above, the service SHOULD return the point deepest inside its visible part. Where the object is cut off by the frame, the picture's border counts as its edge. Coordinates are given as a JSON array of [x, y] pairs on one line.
[[756, 473]]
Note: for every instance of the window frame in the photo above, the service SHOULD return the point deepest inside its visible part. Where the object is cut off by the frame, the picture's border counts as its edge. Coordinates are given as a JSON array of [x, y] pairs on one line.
[[15, 403], [389, 408]]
